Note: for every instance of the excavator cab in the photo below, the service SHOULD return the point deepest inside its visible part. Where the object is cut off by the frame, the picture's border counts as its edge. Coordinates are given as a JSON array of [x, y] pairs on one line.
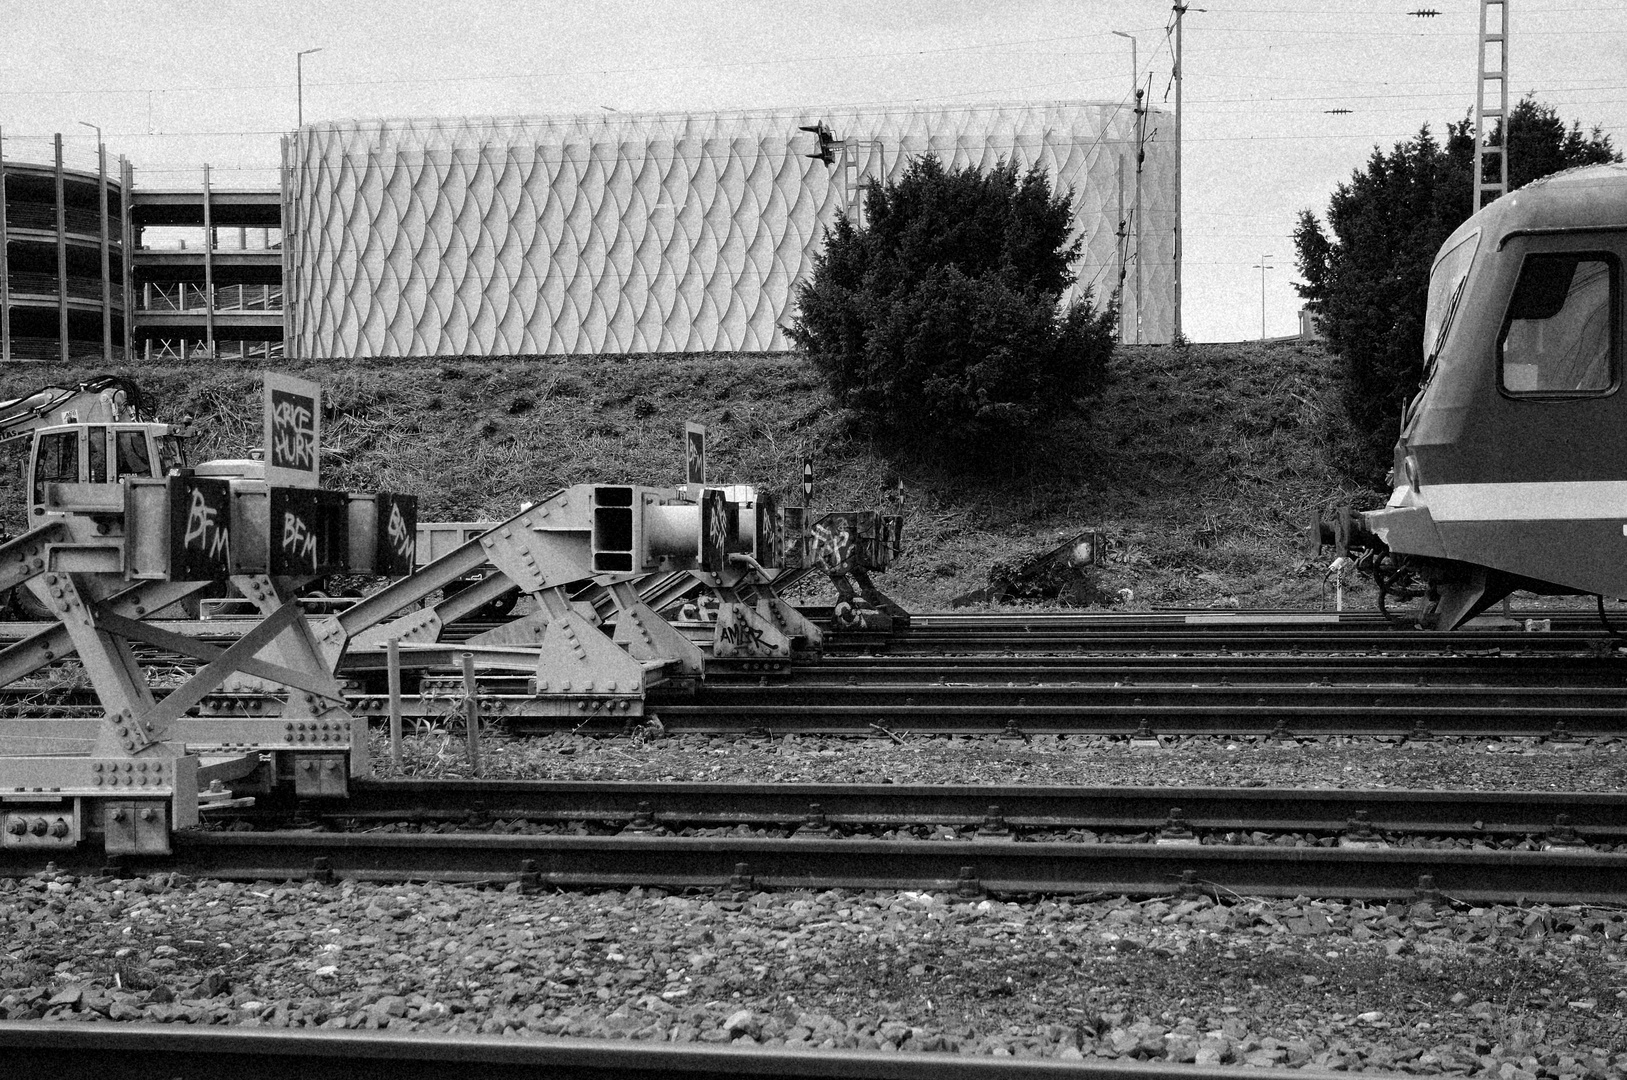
[[79, 453]]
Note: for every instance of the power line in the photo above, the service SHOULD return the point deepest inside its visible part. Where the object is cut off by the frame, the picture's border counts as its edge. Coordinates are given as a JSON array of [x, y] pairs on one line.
[[578, 72]]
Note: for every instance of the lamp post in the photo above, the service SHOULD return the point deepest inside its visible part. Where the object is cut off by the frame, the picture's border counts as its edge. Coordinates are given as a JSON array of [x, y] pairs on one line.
[[1262, 266], [101, 217], [299, 82], [1135, 69]]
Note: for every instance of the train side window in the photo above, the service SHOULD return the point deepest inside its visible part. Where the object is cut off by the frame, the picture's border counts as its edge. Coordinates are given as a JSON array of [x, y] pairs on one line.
[[132, 452], [1559, 336], [56, 462]]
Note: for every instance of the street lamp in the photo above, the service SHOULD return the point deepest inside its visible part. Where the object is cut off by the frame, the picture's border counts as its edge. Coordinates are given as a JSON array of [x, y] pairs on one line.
[[1262, 266], [299, 80], [1135, 69]]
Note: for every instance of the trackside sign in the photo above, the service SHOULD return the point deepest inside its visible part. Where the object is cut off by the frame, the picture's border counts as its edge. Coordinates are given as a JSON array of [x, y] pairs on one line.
[[293, 431]]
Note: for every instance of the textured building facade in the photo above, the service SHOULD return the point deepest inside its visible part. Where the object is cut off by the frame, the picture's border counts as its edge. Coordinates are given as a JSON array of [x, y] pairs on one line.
[[664, 233]]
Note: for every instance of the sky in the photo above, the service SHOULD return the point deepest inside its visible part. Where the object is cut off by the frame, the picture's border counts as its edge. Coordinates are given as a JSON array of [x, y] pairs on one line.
[[176, 84]]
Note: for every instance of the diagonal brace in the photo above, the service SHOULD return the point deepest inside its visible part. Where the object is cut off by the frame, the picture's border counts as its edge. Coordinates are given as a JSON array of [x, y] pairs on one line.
[[208, 678], [320, 685]]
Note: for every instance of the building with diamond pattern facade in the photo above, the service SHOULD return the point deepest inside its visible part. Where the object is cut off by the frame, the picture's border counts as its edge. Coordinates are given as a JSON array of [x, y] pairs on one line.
[[653, 233]]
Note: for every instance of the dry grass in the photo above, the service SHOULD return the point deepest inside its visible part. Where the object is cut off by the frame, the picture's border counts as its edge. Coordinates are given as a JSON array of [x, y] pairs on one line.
[[1200, 462]]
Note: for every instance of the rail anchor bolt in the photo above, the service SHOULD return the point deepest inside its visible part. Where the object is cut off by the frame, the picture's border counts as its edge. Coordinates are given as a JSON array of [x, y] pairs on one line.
[[1426, 893], [1563, 835], [643, 820], [994, 827], [1359, 833], [967, 885], [814, 825], [1013, 732], [1176, 831]]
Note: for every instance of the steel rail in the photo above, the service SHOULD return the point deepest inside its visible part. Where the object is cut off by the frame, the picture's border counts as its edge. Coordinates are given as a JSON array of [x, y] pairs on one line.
[[1021, 716], [1599, 817], [970, 867], [139, 1051], [1219, 638], [952, 691], [1510, 670]]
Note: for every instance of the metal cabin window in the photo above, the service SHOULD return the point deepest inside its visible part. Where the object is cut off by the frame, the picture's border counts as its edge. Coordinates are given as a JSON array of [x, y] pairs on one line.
[[56, 462], [132, 453], [96, 451], [1559, 337]]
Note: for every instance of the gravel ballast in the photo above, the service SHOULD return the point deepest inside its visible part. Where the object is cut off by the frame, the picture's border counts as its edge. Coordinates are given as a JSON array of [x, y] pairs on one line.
[[1092, 760], [1500, 991], [1507, 992]]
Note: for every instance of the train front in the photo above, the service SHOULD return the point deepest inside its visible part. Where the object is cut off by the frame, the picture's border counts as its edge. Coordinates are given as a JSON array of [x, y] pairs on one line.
[[1511, 466]]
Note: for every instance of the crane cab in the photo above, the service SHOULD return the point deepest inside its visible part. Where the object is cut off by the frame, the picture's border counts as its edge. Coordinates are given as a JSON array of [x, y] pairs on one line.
[[80, 453]]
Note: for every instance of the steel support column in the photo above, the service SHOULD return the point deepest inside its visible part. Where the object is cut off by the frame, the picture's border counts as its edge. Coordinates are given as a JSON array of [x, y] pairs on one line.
[[61, 256], [208, 268], [5, 267], [107, 271], [127, 237]]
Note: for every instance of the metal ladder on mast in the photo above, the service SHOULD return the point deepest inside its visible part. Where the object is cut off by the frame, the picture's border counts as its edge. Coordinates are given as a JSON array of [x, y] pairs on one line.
[[1494, 41]]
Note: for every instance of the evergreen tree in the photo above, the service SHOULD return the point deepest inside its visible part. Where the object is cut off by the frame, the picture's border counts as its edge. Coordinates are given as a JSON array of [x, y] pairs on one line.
[[939, 319]]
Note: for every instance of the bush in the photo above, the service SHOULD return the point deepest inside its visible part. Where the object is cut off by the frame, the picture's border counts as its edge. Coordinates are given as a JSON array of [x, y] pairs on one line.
[[940, 318]]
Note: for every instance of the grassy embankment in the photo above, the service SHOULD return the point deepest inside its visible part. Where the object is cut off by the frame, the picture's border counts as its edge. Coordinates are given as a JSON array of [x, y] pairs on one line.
[[1200, 463]]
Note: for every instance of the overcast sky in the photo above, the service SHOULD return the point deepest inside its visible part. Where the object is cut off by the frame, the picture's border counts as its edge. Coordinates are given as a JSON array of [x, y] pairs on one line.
[[179, 83]]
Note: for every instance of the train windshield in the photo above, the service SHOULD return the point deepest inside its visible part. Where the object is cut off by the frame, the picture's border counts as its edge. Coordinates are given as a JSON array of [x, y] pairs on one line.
[[1445, 286]]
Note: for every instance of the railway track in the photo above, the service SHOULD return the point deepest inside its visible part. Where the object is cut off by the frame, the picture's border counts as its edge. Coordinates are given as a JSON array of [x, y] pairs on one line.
[[68, 1051], [966, 867], [1004, 840], [1598, 818]]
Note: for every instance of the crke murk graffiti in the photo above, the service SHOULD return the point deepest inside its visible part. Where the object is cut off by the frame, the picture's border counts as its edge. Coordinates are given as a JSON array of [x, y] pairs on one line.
[[293, 431]]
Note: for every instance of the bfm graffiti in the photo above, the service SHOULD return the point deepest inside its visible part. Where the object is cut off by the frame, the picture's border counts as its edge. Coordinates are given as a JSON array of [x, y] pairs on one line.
[[204, 532], [298, 539], [401, 541]]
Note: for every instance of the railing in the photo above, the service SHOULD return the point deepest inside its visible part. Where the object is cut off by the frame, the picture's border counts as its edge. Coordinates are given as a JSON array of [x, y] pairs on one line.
[[182, 297], [23, 215], [42, 348], [79, 287], [198, 349]]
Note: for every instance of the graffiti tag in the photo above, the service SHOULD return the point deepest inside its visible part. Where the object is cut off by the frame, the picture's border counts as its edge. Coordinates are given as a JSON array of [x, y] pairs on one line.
[[204, 532], [298, 539], [833, 545], [401, 540], [742, 637], [293, 431]]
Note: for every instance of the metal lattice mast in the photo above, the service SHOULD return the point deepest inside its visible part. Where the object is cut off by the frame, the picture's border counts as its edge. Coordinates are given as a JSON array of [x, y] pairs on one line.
[[1493, 43]]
